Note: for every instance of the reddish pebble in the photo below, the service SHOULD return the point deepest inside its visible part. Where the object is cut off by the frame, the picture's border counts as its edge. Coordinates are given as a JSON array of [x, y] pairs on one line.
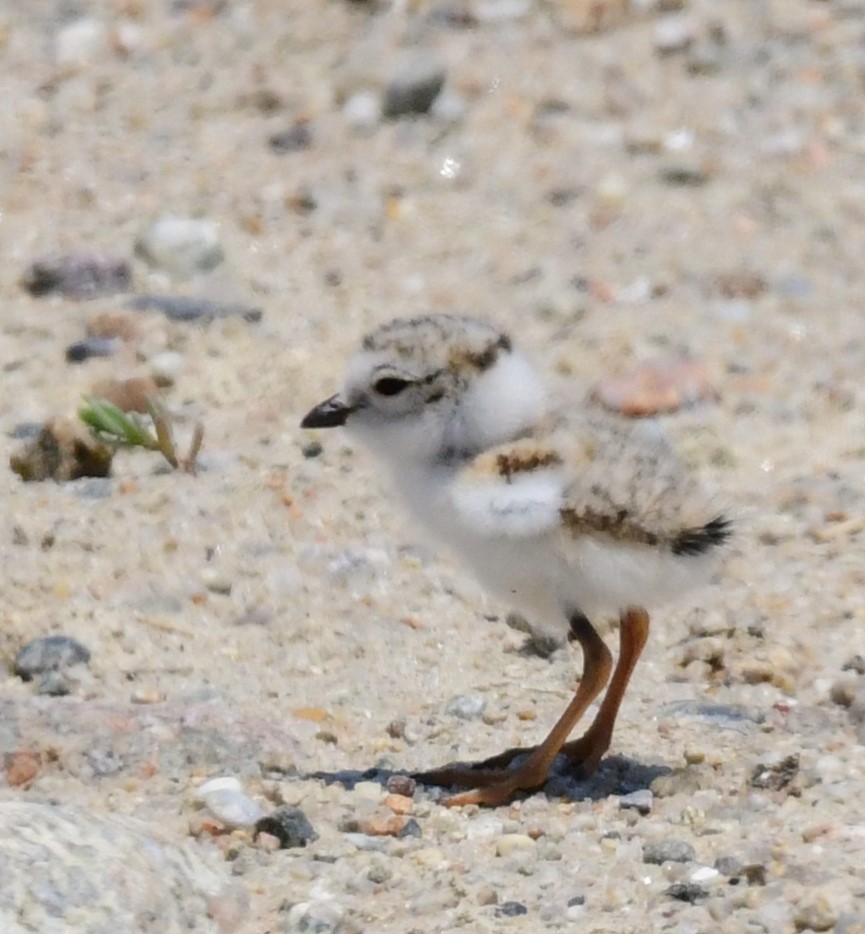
[[113, 324], [383, 825], [202, 825], [22, 768], [658, 386], [399, 804]]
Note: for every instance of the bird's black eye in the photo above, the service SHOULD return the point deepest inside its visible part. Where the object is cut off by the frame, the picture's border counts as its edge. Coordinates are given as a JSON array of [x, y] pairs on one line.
[[390, 385]]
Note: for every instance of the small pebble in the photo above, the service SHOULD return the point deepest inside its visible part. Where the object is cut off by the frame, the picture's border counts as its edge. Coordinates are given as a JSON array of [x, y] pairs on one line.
[[185, 308], [486, 895], [381, 824], [22, 768], [654, 387], [362, 110], [54, 684], [166, 367], [312, 450], [673, 34], [512, 843], [294, 139], [414, 87], [640, 800], [754, 873], [401, 785], [466, 706], [684, 175], [855, 663], [79, 276], [686, 892], [399, 804], [319, 917], [728, 866], [181, 246], [49, 653], [817, 914], [668, 851], [91, 347], [119, 324], [147, 695], [216, 581], [704, 874], [225, 799], [289, 825], [740, 283], [379, 873], [511, 910]]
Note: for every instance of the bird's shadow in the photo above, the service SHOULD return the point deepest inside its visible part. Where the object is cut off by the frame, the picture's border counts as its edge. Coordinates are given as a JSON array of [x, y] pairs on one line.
[[616, 775]]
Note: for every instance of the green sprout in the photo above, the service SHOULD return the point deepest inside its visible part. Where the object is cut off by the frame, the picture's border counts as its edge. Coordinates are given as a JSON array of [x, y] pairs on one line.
[[119, 429]]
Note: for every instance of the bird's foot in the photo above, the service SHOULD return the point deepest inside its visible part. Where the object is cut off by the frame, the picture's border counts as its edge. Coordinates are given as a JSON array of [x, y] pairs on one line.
[[495, 781], [488, 786]]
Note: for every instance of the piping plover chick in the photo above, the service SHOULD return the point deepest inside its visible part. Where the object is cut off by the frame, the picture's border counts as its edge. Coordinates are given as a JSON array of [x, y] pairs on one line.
[[567, 517]]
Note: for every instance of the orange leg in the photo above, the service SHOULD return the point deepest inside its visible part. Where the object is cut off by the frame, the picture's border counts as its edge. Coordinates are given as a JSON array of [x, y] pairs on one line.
[[588, 750], [493, 784]]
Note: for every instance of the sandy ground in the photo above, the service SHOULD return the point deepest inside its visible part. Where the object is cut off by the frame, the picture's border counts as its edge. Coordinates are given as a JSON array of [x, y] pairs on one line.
[[609, 201]]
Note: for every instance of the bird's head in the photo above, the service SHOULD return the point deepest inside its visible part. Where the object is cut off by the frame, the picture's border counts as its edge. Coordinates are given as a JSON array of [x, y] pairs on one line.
[[434, 388]]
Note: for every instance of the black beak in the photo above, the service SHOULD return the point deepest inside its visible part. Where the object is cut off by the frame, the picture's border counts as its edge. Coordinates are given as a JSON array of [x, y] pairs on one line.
[[328, 414]]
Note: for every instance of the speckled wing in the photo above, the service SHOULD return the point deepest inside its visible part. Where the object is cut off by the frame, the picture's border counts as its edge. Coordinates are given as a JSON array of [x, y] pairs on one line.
[[626, 483], [596, 476]]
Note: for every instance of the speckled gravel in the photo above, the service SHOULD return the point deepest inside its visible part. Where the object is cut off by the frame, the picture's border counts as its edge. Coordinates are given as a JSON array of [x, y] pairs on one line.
[[683, 184]]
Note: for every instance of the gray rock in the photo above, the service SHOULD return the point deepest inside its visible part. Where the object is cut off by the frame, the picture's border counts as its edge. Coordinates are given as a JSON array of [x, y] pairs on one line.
[[53, 684], [414, 87], [728, 866], [80, 275], [50, 653], [686, 892], [75, 870], [296, 138], [315, 917], [685, 175], [466, 706], [401, 785], [289, 825], [668, 851], [185, 308], [641, 800], [181, 246], [92, 347]]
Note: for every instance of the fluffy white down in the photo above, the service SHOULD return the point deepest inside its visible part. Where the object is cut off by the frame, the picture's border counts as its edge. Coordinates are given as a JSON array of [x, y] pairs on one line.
[[510, 534]]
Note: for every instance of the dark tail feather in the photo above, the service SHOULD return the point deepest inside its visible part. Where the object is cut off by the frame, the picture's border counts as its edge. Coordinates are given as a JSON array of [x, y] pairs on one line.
[[699, 541]]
